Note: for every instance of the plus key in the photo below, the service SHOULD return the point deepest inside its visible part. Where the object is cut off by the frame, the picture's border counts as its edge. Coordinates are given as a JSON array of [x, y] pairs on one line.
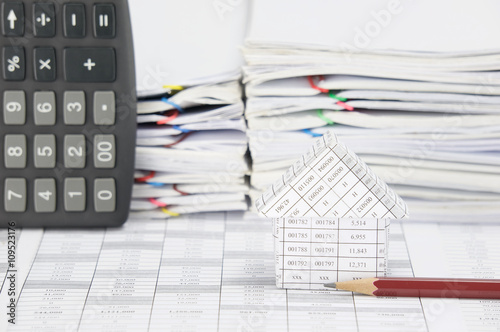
[[92, 65]]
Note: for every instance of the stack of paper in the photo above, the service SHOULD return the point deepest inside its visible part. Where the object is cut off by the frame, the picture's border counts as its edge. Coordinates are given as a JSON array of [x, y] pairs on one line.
[[419, 105], [192, 158], [191, 153]]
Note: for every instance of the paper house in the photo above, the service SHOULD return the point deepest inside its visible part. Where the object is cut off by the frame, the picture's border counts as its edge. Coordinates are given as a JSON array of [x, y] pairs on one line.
[[331, 217]]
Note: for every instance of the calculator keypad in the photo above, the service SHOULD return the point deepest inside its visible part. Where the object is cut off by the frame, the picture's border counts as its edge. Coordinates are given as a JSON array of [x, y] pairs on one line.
[[67, 97]]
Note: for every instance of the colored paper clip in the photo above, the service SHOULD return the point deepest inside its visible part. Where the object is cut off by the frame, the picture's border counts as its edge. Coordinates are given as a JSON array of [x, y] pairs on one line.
[[146, 177], [334, 96], [157, 203], [171, 103], [169, 118], [156, 184], [163, 207], [324, 118], [183, 193], [170, 213], [174, 87], [340, 100], [185, 131], [309, 132], [179, 140], [314, 86]]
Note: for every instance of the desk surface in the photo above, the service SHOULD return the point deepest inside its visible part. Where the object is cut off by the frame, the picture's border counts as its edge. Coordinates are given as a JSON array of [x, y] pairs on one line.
[[215, 272]]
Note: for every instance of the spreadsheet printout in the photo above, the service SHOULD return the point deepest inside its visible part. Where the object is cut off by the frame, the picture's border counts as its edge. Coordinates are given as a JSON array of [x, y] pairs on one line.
[[310, 252], [215, 272]]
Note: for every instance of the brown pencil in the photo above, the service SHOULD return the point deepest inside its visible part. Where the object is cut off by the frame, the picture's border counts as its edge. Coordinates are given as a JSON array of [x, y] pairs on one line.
[[423, 287]]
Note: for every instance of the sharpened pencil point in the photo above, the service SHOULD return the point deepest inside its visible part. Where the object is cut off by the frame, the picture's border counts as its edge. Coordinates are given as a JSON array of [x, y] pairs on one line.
[[332, 285]]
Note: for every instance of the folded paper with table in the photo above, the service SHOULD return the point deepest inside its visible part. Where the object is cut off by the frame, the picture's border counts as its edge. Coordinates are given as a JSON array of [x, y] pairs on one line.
[[331, 218]]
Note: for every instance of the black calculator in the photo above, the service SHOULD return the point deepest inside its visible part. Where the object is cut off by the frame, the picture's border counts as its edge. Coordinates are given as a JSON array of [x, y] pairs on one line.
[[68, 123]]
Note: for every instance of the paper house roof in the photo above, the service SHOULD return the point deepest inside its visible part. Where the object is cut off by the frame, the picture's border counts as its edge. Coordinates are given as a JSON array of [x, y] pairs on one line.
[[331, 181]]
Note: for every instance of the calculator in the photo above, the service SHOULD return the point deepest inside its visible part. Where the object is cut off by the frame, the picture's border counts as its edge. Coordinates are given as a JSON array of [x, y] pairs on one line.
[[68, 122]]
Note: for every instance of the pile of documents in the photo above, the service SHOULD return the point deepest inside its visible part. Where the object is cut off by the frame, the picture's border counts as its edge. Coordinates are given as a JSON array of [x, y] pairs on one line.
[[190, 154], [191, 146], [420, 106]]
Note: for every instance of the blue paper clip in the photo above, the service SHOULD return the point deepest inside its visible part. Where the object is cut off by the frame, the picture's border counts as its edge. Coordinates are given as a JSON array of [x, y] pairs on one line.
[[309, 132], [168, 101]]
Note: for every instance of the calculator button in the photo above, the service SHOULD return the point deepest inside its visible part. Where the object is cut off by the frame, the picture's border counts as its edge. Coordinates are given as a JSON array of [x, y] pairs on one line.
[[15, 151], [74, 108], [45, 195], [44, 20], [12, 19], [45, 108], [104, 151], [45, 151], [74, 151], [14, 107], [45, 64], [74, 194], [74, 20], [14, 63], [104, 21], [104, 108], [15, 195], [90, 65], [105, 195]]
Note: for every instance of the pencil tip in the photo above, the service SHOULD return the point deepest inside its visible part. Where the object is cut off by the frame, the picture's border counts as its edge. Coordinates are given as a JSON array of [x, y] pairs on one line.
[[332, 285]]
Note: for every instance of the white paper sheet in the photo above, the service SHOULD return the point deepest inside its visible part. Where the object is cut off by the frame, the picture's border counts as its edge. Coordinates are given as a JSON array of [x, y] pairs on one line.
[[187, 43], [215, 272]]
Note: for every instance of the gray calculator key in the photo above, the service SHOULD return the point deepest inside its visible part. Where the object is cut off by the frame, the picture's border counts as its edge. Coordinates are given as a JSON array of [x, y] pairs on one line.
[[74, 108], [89, 64], [104, 108], [104, 151], [75, 193], [15, 195], [13, 19], [74, 20], [45, 108], [104, 21], [44, 20], [105, 195], [45, 151], [15, 151], [45, 195], [45, 64], [14, 63], [74, 151], [14, 107]]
